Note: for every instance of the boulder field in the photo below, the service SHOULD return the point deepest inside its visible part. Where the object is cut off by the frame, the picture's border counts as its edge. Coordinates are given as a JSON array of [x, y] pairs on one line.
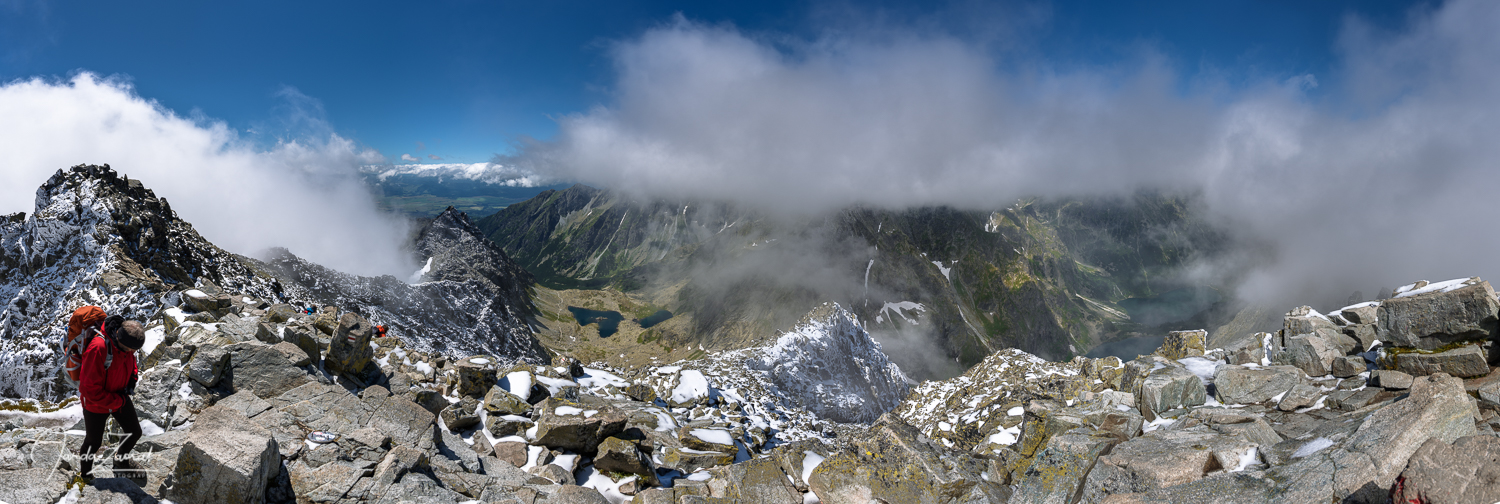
[[251, 401]]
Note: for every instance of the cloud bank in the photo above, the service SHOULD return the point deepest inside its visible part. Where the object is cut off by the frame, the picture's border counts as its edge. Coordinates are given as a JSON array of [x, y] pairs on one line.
[[1383, 175], [303, 194], [489, 173]]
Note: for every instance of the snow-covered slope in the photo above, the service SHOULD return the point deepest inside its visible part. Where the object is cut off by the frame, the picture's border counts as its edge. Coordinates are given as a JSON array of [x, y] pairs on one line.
[[826, 369], [95, 238], [833, 367], [471, 298]]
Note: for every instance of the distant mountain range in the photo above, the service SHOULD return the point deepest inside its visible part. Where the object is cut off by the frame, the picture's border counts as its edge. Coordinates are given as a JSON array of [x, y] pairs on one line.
[[948, 286], [422, 191]]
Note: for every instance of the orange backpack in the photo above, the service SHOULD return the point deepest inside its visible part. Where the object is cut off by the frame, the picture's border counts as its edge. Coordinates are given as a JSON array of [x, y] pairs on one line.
[[82, 328]]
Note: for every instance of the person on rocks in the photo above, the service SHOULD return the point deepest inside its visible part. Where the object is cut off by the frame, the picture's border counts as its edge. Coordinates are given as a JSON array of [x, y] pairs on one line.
[[105, 385], [380, 331]]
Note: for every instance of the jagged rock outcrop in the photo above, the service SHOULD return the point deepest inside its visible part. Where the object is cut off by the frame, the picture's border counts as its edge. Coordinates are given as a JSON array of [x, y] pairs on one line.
[[471, 299], [833, 367], [97, 237]]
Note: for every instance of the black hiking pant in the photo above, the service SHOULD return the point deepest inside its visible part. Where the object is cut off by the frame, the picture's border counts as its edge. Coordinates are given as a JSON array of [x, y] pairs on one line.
[[94, 433]]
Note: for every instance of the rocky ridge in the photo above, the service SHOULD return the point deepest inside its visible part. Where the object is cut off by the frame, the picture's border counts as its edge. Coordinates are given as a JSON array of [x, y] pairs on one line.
[[99, 238], [469, 297]]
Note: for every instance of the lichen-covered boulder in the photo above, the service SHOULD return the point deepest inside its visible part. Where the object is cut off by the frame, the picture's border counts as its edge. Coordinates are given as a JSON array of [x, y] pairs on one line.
[[1391, 379], [34, 485], [498, 401], [349, 349], [757, 480], [622, 456], [1346, 366], [1058, 471], [303, 335], [507, 425], [895, 463], [476, 375], [1180, 344], [688, 460], [1306, 320], [267, 370], [1299, 396], [707, 439]]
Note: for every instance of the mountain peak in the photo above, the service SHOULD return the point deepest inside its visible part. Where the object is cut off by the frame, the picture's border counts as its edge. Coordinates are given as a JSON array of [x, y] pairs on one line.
[[96, 237]]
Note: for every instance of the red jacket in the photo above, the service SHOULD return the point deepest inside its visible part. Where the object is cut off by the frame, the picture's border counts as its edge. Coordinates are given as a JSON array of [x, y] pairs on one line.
[[100, 388]]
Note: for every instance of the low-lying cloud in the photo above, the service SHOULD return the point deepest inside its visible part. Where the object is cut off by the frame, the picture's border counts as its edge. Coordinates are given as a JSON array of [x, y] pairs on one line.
[[489, 173], [1383, 175], [301, 193]]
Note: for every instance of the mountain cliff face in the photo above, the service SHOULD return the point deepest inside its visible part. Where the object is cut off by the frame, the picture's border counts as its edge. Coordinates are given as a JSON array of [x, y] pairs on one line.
[[585, 236], [99, 238], [469, 297], [1045, 277]]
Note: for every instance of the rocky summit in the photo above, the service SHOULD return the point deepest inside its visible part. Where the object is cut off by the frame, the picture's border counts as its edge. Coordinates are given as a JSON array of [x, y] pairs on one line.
[[246, 396]]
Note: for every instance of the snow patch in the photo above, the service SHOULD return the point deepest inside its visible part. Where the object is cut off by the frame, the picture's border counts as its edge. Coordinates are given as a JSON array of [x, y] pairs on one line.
[[691, 386], [900, 308], [518, 383], [1007, 436], [1444, 286], [945, 271], [1200, 366], [810, 461], [609, 488], [1312, 447], [714, 436]]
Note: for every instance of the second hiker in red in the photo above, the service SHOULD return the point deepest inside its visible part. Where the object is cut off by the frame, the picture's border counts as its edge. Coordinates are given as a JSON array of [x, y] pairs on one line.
[[106, 381]]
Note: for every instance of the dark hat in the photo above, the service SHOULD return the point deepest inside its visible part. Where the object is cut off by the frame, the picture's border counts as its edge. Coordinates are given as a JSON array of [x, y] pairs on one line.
[[131, 335]]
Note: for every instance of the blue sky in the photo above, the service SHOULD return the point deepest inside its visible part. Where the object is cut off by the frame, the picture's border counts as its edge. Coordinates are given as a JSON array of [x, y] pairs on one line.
[[468, 78], [1317, 127]]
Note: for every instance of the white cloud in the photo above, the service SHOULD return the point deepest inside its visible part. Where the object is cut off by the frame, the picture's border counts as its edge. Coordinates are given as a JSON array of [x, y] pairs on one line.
[[302, 194], [1378, 174], [433, 157], [409, 158], [490, 173]]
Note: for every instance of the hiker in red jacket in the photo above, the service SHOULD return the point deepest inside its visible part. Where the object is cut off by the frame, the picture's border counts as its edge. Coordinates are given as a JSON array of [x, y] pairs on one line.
[[105, 384]]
